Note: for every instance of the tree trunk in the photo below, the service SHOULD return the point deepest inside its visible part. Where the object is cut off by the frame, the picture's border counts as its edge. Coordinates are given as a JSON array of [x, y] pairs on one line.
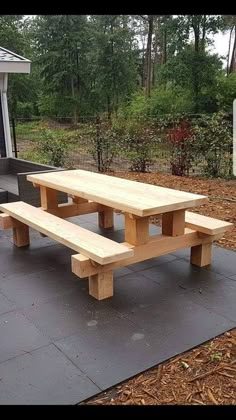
[[232, 67], [164, 46], [228, 56], [143, 74], [149, 54], [75, 117], [203, 33], [157, 32], [109, 107], [196, 30]]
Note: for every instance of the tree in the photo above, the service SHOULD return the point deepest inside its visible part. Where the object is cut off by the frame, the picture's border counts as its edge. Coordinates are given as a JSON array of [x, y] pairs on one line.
[[61, 46], [114, 63], [148, 61]]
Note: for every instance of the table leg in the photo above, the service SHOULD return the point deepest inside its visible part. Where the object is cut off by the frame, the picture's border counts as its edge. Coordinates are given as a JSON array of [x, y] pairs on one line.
[[201, 255], [101, 285], [49, 198], [136, 229], [173, 223], [106, 218]]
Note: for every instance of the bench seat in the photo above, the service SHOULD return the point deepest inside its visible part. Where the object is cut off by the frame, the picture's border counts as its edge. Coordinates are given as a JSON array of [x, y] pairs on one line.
[[205, 224], [90, 244]]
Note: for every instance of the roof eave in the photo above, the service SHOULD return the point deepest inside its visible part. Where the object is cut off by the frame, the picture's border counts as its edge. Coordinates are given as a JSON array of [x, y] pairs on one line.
[[15, 66]]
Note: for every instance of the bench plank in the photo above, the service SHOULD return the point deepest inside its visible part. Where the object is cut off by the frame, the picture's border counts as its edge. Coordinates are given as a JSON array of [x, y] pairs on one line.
[[206, 224], [94, 246]]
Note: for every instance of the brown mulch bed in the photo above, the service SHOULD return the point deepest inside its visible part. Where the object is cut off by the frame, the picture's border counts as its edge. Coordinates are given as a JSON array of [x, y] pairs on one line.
[[205, 375]]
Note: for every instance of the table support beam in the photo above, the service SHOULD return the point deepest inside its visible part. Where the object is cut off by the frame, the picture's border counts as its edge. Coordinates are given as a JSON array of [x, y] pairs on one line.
[[136, 229], [106, 218], [49, 198], [173, 223]]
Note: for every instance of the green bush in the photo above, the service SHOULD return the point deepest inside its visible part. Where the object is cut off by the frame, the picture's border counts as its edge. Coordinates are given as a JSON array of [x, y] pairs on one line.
[[169, 100], [164, 100], [226, 92], [24, 109], [104, 146], [213, 140], [136, 108], [53, 150], [138, 143]]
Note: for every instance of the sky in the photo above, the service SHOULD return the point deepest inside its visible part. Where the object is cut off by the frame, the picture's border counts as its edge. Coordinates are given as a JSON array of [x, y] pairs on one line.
[[221, 43]]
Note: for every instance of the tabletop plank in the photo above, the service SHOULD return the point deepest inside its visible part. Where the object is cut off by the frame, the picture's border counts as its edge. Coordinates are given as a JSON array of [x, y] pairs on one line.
[[130, 196]]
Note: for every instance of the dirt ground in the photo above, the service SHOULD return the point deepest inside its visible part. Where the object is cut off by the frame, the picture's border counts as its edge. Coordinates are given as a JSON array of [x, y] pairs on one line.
[[205, 375]]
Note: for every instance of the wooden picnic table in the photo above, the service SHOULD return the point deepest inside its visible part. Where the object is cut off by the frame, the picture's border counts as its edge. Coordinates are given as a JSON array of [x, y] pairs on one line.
[[137, 200], [98, 256]]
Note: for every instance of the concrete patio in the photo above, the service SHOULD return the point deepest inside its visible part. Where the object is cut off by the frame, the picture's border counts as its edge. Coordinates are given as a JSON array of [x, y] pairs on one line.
[[60, 346]]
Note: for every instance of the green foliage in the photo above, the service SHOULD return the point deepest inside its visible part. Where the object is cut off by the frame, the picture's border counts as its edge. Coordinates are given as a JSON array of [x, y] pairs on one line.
[[170, 100], [136, 108], [226, 92], [196, 72], [52, 150], [84, 65], [182, 154], [164, 100], [24, 109], [138, 143], [213, 140], [104, 146], [216, 357]]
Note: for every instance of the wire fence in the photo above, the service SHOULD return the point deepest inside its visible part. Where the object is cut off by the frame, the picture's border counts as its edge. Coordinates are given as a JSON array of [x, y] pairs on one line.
[[92, 145]]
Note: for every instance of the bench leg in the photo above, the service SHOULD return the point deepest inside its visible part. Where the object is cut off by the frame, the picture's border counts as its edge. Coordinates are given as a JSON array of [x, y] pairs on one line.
[[201, 255], [105, 218], [101, 285], [21, 234]]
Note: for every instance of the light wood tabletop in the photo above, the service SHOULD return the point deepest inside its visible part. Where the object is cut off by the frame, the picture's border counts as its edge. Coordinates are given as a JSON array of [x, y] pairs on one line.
[[129, 196]]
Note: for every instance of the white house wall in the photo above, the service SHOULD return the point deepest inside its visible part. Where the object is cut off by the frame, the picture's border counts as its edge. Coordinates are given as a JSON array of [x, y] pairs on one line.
[[6, 124]]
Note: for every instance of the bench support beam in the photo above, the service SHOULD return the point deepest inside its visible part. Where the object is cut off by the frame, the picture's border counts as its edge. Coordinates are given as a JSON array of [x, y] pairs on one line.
[[157, 245], [101, 285], [6, 222]]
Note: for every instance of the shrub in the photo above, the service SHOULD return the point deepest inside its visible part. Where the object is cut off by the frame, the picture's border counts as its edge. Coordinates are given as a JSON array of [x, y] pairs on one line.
[[180, 138], [226, 92], [103, 146], [138, 143], [24, 109], [52, 149], [169, 100], [213, 140]]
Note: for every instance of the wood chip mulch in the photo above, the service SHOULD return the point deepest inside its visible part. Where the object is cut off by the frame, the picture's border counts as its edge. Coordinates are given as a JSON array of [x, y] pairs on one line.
[[205, 375]]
